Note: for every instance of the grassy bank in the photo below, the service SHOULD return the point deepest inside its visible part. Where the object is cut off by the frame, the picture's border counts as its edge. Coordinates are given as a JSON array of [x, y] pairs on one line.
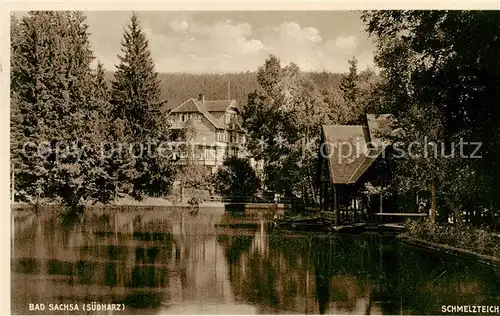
[[459, 236], [123, 201], [126, 201]]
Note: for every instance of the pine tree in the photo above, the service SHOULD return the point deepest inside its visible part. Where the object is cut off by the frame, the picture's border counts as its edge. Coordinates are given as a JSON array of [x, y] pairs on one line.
[[55, 109], [117, 162], [101, 89], [351, 93], [35, 97], [106, 179], [348, 83], [136, 101]]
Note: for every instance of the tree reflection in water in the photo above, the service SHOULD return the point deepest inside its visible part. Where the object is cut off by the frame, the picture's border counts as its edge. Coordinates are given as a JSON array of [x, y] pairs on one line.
[[351, 275], [168, 261]]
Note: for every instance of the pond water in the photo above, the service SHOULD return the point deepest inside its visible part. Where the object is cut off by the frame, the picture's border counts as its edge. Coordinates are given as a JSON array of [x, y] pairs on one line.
[[175, 261]]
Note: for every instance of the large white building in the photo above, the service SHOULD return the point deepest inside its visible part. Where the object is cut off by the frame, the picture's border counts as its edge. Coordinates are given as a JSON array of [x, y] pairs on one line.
[[213, 128]]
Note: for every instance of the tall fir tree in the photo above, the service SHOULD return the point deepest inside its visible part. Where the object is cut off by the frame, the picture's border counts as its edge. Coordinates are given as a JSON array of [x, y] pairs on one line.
[[107, 179], [136, 102], [30, 101], [349, 86], [118, 162], [56, 117], [348, 83]]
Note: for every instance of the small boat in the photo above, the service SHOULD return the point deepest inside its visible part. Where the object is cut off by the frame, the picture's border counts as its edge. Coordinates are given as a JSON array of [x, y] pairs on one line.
[[319, 223], [394, 227], [351, 229]]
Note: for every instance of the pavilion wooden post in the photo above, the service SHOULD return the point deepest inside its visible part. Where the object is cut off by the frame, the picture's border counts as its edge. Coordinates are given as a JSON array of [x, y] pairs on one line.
[[381, 207], [432, 216], [418, 204], [355, 208]]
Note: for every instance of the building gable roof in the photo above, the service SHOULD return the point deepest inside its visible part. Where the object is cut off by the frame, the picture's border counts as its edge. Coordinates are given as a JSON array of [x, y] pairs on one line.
[[211, 110], [348, 149], [219, 105], [187, 106]]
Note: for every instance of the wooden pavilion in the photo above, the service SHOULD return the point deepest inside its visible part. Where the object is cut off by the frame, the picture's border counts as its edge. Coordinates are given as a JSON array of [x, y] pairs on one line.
[[352, 158]]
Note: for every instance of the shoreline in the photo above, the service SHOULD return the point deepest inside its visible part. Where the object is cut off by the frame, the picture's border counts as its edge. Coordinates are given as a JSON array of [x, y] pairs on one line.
[[148, 203], [450, 250]]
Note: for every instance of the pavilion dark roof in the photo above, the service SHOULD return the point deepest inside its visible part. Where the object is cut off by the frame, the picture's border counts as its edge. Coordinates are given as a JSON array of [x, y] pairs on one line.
[[352, 149]]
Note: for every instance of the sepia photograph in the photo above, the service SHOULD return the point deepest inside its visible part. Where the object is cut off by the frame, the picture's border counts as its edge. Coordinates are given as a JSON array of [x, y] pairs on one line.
[[239, 162]]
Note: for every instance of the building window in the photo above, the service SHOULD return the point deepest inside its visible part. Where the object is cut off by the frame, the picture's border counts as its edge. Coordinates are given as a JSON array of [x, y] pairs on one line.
[[199, 118], [184, 118], [234, 138], [209, 154], [222, 136]]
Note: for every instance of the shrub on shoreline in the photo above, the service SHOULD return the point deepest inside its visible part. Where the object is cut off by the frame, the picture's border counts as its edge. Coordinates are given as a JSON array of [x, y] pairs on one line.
[[460, 236]]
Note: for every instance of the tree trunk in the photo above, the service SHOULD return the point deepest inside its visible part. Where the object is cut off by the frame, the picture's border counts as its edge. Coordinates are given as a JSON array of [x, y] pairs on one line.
[[115, 195], [336, 205], [432, 214], [13, 187], [303, 195], [457, 215]]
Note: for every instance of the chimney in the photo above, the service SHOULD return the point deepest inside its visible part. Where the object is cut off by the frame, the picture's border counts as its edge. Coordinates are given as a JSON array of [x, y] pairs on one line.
[[201, 98]]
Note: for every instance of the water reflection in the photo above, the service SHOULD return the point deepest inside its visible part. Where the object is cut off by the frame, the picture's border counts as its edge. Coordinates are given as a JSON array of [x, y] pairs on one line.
[[175, 261]]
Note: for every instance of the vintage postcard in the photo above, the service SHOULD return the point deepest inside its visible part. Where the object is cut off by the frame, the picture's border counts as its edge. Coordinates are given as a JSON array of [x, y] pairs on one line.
[[253, 160]]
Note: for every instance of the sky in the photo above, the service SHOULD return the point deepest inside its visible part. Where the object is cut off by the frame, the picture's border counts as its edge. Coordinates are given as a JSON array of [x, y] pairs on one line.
[[236, 41], [225, 41]]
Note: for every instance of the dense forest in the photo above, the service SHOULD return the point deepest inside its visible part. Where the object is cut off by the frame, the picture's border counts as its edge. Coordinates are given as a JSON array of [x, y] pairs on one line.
[[176, 88]]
